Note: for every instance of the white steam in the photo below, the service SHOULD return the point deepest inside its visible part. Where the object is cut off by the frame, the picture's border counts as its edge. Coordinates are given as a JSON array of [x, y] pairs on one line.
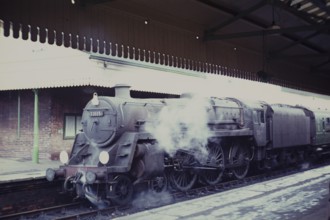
[[305, 166], [182, 124], [151, 199]]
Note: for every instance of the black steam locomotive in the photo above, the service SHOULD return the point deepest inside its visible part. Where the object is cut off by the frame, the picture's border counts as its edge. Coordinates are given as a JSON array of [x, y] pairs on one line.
[[159, 142]]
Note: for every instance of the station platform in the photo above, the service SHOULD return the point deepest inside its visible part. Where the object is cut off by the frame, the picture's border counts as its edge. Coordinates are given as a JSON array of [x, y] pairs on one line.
[[15, 169], [303, 196]]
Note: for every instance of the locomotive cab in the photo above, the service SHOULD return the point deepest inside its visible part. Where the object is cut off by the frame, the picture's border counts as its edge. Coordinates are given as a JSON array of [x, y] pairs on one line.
[[322, 131]]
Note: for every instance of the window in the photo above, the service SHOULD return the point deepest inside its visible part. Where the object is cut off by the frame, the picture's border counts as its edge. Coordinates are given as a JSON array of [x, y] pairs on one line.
[[72, 125], [261, 116], [255, 117], [258, 116], [327, 125]]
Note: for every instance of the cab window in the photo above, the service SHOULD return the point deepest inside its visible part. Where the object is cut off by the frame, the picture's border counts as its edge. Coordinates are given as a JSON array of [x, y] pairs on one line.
[[327, 125], [258, 116]]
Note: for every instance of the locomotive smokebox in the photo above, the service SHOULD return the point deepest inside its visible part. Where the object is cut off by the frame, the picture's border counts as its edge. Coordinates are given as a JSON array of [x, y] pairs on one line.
[[122, 91]]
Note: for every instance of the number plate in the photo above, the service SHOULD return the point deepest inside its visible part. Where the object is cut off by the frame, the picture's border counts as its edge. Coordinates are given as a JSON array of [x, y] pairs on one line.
[[96, 113]]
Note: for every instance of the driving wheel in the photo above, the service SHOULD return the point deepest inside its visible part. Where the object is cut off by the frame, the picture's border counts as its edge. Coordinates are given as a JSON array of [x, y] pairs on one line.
[[216, 161], [121, 190], [239, 158]]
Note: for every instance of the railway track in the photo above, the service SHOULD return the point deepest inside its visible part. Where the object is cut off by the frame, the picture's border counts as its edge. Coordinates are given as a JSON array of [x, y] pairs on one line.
[[27, 195], [76, 210], [147, 200], [50, 211]]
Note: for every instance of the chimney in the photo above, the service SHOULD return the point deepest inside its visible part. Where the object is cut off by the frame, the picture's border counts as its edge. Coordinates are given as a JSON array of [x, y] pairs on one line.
[[122, 91]]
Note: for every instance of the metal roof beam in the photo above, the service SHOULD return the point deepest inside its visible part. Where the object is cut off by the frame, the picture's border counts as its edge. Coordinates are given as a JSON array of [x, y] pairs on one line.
[[254, 22], [268, 32], [236, 17], [85, 3], [318, 66], [301, 56], [322, 5], [294, 43], [324, 73], [294, 11], [230, 12]]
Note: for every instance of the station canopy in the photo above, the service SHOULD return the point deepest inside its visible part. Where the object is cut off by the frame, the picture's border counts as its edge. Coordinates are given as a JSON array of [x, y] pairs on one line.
[[32, 65]]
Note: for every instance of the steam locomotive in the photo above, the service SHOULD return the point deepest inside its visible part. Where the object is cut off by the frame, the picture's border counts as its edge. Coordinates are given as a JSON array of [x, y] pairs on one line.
[[180, 141]]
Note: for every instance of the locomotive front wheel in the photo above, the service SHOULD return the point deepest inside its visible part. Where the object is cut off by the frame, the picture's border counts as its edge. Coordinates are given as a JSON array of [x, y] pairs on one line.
[[68, 185], [215, 159], [122, 190], [239, 158], [183, 180], [159, 184]]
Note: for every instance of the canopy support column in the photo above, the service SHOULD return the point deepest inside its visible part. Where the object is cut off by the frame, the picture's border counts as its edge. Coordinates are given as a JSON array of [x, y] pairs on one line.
[[35, 155]]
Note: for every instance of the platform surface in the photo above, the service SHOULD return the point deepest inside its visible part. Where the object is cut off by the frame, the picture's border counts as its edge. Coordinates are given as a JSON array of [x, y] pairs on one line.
[[13, 169], [302, 196]]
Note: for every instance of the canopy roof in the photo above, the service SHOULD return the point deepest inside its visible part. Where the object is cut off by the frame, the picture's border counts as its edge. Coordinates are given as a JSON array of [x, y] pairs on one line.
[[29, 65]]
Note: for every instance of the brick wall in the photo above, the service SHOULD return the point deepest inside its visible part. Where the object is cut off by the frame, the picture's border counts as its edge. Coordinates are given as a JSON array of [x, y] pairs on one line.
[[53, 104], [13, 143], [65, 101]]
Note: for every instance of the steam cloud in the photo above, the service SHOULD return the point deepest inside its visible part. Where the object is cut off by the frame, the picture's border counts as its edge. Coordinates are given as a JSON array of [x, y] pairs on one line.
[[182, 124], [305, 166], [150, 199]]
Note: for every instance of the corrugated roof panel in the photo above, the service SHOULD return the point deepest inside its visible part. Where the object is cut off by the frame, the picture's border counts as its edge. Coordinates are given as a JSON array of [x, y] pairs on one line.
[[45, 66], [27, 65]]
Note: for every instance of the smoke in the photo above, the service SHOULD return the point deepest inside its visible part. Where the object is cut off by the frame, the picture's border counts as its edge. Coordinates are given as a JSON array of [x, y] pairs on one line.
[[97, 202], [182, 124], [151, 199], [305, 166]]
